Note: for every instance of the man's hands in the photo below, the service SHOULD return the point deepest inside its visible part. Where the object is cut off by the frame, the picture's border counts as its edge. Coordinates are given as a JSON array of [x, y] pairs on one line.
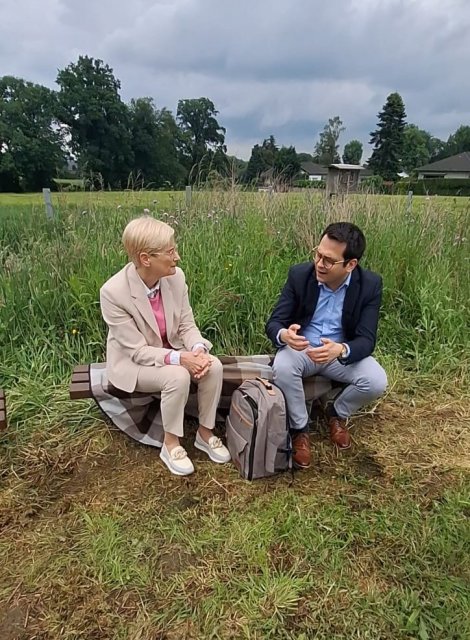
[[196, 362], [289, 336], [320, 355], [325, 354]]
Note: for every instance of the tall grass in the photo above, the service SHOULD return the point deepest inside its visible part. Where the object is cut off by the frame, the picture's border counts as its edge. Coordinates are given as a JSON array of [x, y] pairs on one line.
[[236, 250], [99, 541]]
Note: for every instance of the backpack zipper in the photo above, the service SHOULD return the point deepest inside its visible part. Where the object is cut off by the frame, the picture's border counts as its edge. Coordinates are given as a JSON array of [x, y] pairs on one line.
[[239, 413], [251, 457]]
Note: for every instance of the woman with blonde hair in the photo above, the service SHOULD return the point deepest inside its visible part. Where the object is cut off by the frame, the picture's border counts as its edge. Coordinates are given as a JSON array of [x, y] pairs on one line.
[[154, 344]]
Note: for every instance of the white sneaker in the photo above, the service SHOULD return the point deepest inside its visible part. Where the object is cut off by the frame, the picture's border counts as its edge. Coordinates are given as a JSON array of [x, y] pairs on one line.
[[177, 461], [215, 449]]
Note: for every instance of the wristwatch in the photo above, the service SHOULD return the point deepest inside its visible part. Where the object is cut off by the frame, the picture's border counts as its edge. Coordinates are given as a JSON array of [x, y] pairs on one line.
[[344, 352]]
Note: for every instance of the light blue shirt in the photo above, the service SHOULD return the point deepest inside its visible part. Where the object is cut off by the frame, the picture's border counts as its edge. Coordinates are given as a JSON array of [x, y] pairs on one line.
[[326, 320]]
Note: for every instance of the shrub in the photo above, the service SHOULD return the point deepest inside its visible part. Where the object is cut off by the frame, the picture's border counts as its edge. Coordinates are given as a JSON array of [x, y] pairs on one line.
[[372, 183], [309, 184], [434, 187]]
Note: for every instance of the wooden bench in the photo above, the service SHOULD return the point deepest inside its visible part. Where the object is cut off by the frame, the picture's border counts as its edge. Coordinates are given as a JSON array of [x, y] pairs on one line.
[[3, 411], [80, 386]]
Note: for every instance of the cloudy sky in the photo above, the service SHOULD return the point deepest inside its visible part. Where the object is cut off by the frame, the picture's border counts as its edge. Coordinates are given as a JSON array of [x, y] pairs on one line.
[[269, 66]]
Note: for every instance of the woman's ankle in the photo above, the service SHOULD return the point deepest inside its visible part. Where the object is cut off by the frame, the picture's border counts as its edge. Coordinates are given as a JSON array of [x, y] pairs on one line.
[[205, 433], [171, 441]]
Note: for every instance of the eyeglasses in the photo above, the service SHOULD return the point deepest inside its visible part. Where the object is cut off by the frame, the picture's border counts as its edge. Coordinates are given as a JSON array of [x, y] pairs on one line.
[[328, 263], [170, 252]]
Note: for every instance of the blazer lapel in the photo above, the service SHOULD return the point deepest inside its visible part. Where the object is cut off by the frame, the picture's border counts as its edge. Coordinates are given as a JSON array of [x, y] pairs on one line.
[[352, 294], [141, 300], [312, 291], [167, 301]]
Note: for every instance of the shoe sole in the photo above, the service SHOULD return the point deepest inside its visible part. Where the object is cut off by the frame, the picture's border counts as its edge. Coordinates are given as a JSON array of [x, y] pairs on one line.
[[173, 470], [202, 448], [296, 465]]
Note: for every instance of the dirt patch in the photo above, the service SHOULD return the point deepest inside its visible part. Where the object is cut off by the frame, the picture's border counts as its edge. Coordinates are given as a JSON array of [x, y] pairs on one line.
[[175, 560], [368, 466], [12, 622]]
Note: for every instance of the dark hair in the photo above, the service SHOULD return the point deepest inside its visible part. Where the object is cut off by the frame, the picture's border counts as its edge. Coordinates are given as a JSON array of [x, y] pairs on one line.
[[351, 235]]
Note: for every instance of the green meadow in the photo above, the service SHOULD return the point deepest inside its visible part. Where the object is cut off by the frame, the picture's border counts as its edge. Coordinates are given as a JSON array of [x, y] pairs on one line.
[[98, 541]]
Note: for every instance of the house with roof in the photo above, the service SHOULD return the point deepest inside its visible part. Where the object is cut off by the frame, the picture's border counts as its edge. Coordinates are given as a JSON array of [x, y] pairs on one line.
[[313, 171], [455, 167]]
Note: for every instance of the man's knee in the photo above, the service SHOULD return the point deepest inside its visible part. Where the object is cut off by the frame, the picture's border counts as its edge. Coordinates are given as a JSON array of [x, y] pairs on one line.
[[282, 369], [374, 383], [379, 383]]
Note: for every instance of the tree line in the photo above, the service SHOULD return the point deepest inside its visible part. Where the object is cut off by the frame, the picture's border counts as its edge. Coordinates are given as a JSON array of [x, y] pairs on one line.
[[84, 129]]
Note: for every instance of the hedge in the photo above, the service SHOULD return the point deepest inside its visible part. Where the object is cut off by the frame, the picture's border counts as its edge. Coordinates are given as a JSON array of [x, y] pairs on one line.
[[434, 187]]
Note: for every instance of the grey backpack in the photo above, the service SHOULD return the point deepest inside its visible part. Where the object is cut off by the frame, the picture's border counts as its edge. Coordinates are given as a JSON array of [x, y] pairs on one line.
[[257, 435]]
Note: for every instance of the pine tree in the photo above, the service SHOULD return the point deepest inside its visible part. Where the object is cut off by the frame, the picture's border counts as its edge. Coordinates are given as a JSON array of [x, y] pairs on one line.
[[386, 158]]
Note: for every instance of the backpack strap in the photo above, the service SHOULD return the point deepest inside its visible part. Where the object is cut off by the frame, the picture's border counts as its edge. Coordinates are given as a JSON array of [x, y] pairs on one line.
[[267, 385]]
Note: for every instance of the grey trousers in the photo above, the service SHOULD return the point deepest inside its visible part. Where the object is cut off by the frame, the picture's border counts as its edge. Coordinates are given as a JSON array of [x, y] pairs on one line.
[[366, 382]]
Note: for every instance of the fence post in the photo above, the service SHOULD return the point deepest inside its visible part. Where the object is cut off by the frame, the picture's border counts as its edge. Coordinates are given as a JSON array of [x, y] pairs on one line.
[[188, 196], [48, 202]]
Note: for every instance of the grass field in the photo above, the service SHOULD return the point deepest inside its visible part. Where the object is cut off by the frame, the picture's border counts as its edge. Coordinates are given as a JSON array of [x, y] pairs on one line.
[[98, 541]]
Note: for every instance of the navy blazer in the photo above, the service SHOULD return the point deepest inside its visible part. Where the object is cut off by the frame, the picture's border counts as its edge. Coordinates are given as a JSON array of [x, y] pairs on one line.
[[299, 297]]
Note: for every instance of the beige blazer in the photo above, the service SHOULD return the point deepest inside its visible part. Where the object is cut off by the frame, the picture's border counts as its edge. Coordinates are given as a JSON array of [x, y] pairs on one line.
[[133, 336]]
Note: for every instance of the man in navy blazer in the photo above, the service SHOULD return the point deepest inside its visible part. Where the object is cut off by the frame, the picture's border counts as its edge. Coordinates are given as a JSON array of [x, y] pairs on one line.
[[325, 323]]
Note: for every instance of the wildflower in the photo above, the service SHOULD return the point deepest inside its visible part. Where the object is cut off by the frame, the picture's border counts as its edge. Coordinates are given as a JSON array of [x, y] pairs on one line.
[[154, 201], [119, 206], [75, 331], [209, 215], [146, 210], [83, 212]]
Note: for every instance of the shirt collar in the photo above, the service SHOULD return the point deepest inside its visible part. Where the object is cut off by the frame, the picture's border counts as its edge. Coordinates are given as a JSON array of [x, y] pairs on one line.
[[345, 284], [151, 293]]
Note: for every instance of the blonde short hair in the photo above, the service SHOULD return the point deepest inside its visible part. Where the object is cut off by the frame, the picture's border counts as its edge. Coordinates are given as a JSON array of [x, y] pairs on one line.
[[146, 234]]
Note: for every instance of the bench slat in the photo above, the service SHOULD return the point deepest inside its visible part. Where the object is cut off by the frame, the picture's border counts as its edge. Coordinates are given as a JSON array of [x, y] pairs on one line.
[[80, 390], [81, 368], [80, 377]]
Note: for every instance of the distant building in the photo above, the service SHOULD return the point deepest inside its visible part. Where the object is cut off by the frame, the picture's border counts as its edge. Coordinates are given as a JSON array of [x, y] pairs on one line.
[[313, 171], [457, 166], [343, 179]]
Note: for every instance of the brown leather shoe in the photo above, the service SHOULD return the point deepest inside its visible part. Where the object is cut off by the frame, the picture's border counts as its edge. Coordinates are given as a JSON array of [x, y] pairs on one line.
[[301, 450], [339, 434]]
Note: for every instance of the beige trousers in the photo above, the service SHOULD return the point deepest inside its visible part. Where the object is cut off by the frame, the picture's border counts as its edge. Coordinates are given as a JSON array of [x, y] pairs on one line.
[[172, 381]]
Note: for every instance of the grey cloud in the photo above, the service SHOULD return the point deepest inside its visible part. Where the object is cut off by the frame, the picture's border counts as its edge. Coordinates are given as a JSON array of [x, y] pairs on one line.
[[280, 68]]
